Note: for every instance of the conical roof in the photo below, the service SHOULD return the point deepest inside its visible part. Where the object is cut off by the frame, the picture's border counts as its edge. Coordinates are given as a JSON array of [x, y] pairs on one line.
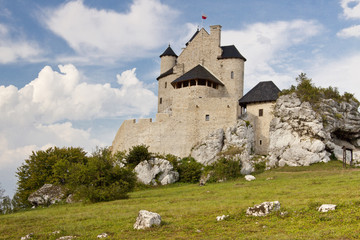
[[168, 52]]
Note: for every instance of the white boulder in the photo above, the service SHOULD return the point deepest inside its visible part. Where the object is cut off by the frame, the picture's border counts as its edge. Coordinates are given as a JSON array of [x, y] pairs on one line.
[[221, 218], [263, 209], [147, 219], [156, 171], [46, 195], [327, 207], [249, 178]]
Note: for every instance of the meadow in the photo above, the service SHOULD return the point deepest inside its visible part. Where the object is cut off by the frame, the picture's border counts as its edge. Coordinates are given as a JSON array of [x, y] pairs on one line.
[[189, 211]]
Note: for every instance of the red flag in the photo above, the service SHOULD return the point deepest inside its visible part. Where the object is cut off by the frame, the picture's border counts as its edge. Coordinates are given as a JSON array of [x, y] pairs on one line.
[[203, 16]]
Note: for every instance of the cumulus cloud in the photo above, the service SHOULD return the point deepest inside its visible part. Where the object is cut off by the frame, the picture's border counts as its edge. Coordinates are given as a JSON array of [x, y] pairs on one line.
[[351, 9], [55, 96], [266, 45], [50, 111], [353, 31], [342, 72], [107, 34], [13, 48]]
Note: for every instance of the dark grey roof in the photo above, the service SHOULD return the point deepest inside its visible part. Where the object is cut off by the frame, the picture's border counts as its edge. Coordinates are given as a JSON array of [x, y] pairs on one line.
[[168, 52], [198, 72], [230, 52], [262, 92], [168, 72], [196, 33]]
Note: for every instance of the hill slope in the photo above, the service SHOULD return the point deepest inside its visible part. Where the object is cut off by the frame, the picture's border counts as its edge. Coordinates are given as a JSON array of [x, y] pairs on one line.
[[189, 211]]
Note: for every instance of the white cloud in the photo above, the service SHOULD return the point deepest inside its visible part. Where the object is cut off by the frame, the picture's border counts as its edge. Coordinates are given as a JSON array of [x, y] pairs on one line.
[[341, 72], [13, 49], [52, 108], [108, 34], [351, 9], [353, 31], [267, 49]]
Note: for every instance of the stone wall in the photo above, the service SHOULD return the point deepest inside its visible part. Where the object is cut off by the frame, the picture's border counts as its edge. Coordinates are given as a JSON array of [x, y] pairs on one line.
[[261, 124], [186, 115], [178, 132]]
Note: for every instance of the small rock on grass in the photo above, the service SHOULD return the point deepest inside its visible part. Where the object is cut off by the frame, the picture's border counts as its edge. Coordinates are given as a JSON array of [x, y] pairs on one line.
[[147, 219], [29, 236], [327, 207], [103, 235], [249, 178], [263, 209], [220, 218]]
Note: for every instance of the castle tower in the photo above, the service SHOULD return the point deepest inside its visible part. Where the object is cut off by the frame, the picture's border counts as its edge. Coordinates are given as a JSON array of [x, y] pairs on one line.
[[168, 60]]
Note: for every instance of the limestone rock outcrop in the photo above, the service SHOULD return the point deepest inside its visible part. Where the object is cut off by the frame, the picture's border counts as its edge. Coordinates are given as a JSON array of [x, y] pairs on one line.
[[147, 219], [263, 209], [156, 171], [239, 137], [47, 195], [299, 136]]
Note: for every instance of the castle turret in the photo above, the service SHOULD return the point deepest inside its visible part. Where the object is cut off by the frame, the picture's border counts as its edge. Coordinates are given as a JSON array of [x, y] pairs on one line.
[[168, 60]]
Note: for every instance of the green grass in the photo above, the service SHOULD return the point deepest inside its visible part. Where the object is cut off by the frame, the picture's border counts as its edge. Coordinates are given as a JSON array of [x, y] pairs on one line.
[[189, 211]]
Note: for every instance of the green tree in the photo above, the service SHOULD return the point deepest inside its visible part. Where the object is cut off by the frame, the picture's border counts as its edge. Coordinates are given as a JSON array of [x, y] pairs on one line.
[[189, 170], [137, 154], [224, 169], [102, 179], [5, 202], [53, 165]]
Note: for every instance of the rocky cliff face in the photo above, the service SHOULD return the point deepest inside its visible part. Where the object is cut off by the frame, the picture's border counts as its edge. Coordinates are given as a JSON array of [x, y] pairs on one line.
[[238, 139], [301, 136]]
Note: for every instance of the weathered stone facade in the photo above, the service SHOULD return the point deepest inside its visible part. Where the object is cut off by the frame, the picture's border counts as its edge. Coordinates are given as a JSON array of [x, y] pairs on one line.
[[189, 109]]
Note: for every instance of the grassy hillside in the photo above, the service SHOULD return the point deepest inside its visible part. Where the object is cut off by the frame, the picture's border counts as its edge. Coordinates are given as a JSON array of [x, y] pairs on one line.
[[189, 211]]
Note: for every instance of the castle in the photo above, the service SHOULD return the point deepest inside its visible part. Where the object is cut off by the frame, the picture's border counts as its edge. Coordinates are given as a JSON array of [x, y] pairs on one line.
[[200, 91]]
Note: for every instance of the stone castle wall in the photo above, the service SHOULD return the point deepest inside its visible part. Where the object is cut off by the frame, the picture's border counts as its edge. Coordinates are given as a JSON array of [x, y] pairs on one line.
[[187, 115], [178, 132], [261, 124]]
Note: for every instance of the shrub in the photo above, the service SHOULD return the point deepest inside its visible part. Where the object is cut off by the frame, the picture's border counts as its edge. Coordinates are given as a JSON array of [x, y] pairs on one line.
[[101, 179], [189, 170], [53, 165], [224, 169], [95, 178], [137, 154]]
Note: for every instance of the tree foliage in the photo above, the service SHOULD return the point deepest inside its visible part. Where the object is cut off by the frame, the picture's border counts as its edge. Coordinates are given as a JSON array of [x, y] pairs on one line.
[[224, 169], [138, 154], [189, 170], [95, 178], [308, 92], [54, 165]]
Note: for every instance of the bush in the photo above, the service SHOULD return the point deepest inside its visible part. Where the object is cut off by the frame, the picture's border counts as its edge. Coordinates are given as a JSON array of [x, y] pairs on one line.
[[307, 92], [137, 154], [53, 165], [189, 170], [95, 178], [101, 179], [224, 169]]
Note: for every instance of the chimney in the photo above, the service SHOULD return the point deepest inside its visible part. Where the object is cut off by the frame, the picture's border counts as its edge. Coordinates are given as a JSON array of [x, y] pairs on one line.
[[215, 33]]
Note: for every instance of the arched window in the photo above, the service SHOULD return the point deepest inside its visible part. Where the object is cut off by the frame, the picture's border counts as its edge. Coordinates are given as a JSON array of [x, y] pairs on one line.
[[232, 74], [165, 84]]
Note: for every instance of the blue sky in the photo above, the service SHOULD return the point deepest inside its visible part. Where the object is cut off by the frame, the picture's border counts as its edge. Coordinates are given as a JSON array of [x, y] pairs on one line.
[[72, 71]]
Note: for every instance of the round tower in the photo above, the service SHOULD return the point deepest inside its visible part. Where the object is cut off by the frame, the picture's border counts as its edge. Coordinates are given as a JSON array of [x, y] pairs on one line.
[[168, 60]]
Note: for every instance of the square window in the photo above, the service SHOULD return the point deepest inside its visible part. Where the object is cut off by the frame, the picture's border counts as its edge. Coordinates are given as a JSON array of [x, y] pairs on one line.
[[260, 142], [207, 117], [160, 100], [261, 112]]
